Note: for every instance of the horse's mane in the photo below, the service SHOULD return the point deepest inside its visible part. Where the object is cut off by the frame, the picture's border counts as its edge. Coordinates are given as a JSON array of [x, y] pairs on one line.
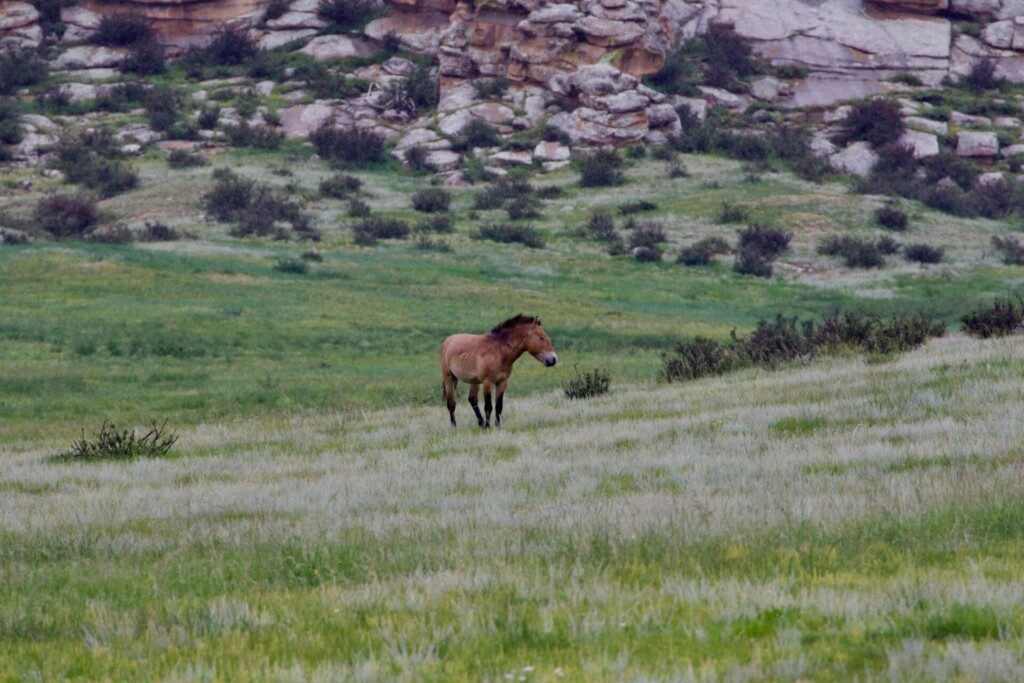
[[514, 322]]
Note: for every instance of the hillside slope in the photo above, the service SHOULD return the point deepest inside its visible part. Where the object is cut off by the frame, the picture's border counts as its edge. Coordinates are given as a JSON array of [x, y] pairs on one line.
[[839, 519]]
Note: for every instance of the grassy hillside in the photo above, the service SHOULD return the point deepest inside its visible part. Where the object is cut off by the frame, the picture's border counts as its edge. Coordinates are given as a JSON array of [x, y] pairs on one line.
[[844, 519], [204, 330]]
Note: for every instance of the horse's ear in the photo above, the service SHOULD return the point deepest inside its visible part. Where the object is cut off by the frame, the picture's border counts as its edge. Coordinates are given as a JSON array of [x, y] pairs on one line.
[[538, 321]]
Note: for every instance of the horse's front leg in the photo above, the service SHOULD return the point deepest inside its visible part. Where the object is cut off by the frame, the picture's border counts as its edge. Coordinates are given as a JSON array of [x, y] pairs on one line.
[[487, 402], [499, 401], [474, 391]]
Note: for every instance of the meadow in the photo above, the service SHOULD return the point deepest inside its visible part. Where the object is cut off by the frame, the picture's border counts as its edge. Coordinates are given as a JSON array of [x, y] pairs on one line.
[[855, 517]]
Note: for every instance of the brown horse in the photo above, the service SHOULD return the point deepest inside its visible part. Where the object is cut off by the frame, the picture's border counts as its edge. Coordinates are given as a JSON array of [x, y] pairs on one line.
[[487, 359]]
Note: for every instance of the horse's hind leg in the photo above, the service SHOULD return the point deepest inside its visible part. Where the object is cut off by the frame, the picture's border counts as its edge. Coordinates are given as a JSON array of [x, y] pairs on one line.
[[450, 383], [499, 401], [474, 391]]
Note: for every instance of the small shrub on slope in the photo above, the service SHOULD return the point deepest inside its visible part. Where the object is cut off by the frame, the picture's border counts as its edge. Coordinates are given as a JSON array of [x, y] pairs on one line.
[[510, 233], [66, 215], [587, 384], [1010, 248], [1002, 318], [111, 443]]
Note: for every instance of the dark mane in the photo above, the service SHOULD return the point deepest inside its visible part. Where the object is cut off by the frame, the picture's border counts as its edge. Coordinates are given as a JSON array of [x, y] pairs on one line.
[[514, 322]]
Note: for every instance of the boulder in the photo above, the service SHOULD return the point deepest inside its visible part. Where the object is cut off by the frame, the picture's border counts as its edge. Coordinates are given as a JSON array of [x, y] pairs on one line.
[[510, 158], [990, 178], [324, 48], [301, 120], [275, 39], [79, 23], [88, 57], [722, 98], [977, 144], [442, 160], [766, 89], [929, 125], [923, 145], [858, 158], [295, 20], [551, 151]]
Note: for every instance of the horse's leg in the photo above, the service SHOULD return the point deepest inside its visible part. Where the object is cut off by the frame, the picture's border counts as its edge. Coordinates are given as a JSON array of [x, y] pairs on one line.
[[474, 391], [487, 402], [499, 401], [450, 383]]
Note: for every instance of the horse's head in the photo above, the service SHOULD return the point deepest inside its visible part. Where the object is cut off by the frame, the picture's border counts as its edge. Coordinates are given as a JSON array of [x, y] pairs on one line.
[[539, 345]]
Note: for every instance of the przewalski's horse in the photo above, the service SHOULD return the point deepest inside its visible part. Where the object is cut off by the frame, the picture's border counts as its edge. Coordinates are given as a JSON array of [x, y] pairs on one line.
[[486, 359]]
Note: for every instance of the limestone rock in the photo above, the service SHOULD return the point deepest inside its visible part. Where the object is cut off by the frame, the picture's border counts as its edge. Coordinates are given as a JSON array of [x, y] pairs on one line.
[[89, 57], [551, 151], [275, 39], [977, 144], [923, 145], [442, 160], [337, 47], [858, 158], [301, 120]]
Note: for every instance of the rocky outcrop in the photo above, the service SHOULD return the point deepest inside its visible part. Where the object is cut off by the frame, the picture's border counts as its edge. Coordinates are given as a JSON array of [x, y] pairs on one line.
[[19, 25]]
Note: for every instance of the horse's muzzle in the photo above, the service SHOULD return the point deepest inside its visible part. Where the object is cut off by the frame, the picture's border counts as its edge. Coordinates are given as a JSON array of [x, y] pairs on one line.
[[550, 360]]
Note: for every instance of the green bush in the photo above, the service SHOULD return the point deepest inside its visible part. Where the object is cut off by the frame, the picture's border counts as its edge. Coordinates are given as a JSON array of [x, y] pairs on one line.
[[431, 200], [702, 252], [892, 217], [348, 15], [122, 30], [347, 147], [732, 213], [923, 253], [523, 208], [162, 106], [340, 186], [20, 69], [92, 159], [601, 225], [785, 340], [371, 229], [145, 59], [230, 46], [290, 264], [595, 382], [10, 122], [1010, 248], [258, 137], [510, 233], [876, 121], [857, 253], [110, 443], [637, 206], [1002, 318], [476, 133], [182, 158], [601, 168], [66, 215]]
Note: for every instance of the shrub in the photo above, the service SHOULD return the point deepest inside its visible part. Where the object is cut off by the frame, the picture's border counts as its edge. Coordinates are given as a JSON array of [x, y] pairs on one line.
[[763, 240], [1010, 248], [647, 234], [258, 137], [230, 46], [420, 89], [346, 147], [678, 170], [145, 59], [91, 159], [982, 77], [340, 186], [182, 158], [785, 340], [275, 10], [161, 105], [601, 168], [1002, 318], [587, 384], [431, 200], [490, 88], [501, 190], [948, 165], [123, 97], [887, 245], [312, 255], [749, 262], [949, 199], [416, 158], [718, 58], [601, 226], [439, 222], [891, 216], [230, 195], [66, 215], [856, 253], [923, 253], [20, 69], [702, 252], [160, 232], [10, 122], [637, 206], [476, 133], [369, 230], [347, 15], [876, 121], [732, 213], [122, 30], [110, 443], [357, 208], [290, 264], [522, 208], [508, 233], [208, 117], [114, 234], [994, 199]]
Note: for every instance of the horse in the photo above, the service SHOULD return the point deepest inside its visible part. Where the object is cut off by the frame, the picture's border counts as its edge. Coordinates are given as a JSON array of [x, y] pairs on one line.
[[487, 359]]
